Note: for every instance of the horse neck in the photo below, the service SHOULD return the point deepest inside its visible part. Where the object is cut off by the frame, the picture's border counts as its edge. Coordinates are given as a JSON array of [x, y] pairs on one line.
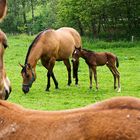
[[34, 56], [1, 57], [1, 67], [84, 54]]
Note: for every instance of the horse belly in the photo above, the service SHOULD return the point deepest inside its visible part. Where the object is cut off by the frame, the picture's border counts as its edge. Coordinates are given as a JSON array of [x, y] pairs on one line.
[[66, 47], [101, 59]]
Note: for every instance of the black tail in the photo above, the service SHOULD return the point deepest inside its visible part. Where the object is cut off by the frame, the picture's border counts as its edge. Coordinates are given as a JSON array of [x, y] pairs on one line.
[[117, 62]]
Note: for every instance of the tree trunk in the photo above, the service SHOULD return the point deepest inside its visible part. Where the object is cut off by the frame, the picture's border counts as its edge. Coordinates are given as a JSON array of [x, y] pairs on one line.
[[32, 8], [24, 15]]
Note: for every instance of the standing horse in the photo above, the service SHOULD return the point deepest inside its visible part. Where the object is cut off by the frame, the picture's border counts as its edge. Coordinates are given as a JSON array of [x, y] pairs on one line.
[[113, 119], [50, 46], [94, 59], [5, 87], [3, 8]]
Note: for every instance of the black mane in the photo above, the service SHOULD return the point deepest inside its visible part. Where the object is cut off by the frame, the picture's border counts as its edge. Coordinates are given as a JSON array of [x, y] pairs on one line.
[[88, 50], [34, 41]]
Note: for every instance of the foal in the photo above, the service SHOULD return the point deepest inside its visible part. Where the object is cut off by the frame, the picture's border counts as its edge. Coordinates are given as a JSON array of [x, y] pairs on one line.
[[5, 87], [94, 59]]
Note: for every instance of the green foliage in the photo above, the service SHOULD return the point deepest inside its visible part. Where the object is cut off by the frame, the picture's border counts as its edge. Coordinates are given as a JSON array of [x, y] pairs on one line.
[[74, 96], [109, 19]]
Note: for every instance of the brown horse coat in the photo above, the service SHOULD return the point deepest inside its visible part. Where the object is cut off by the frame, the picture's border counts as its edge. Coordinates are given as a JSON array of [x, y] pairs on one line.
[[50, 46], [94, 59], [5, 87], [113, 119], [3, 8]]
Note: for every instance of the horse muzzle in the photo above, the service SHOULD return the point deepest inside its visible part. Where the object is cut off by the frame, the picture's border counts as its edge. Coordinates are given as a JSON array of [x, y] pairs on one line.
[[7, 93], [25, 89], [73, 60]]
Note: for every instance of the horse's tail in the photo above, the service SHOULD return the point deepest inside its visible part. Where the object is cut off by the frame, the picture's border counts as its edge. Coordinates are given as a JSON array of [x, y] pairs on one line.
[[117, 62]]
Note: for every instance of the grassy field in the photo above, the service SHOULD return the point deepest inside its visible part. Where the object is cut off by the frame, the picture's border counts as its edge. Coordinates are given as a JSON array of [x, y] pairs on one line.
[[74, 96]]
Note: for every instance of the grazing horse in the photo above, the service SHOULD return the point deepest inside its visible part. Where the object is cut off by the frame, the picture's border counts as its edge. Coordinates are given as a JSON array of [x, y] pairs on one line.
[[113, 119], [5, 87], [3, 8], [50, 46], [94, 59]]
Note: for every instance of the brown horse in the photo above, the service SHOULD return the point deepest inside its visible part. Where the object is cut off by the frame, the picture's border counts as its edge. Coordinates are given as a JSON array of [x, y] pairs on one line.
[[3, 8], [113, 119], [94, 59], [50, 46], [5, 87]]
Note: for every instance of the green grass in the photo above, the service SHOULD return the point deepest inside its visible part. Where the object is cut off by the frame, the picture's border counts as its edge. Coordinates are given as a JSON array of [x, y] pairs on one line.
[[74, 96]]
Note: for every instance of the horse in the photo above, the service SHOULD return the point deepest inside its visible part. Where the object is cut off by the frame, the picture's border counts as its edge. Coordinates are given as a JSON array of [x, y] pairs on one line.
[[3, 9], [50, 46], [94, 59], [113, 119], [5, 87]]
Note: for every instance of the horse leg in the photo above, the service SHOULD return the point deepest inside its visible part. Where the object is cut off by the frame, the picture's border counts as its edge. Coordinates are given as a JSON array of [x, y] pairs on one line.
[[114, 75], [50, 72], [90, 77], [75, 70], [118, 77], [55, 81], [95, 76], [67, 63], [46, 65]]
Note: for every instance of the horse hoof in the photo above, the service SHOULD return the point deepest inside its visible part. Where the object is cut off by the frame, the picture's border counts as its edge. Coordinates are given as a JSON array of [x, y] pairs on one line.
[[96, 90], [90, 88], [119, 90], [47, 90], [76, 83]]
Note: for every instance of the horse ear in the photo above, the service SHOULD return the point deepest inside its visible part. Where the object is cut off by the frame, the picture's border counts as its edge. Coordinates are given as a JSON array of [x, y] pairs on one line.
[[80, 48], [21, 65]]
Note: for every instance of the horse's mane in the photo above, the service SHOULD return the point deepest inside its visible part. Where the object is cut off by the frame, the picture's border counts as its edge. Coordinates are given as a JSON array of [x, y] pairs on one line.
[[88, 50], [32, 44]]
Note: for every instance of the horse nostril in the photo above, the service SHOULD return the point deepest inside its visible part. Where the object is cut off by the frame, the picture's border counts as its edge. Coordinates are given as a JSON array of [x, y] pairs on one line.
[[25, 89], [6, 94], [73, 60]]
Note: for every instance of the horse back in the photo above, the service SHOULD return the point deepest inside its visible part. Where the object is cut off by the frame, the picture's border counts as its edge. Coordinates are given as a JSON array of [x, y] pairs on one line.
[[74, 33], [113, 119]]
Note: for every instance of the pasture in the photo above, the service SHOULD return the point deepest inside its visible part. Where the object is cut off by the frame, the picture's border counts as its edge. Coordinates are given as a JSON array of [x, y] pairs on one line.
[[74, 96]]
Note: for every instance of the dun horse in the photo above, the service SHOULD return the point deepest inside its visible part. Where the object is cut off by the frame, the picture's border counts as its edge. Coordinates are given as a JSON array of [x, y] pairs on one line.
[[50, 46], [3, 8], [113, 119], [5, 87], [94, 59]]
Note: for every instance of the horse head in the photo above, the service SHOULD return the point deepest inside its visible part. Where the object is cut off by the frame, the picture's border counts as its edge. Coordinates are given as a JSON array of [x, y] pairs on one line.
[[28, 75], [5, 87], [76, 54]]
